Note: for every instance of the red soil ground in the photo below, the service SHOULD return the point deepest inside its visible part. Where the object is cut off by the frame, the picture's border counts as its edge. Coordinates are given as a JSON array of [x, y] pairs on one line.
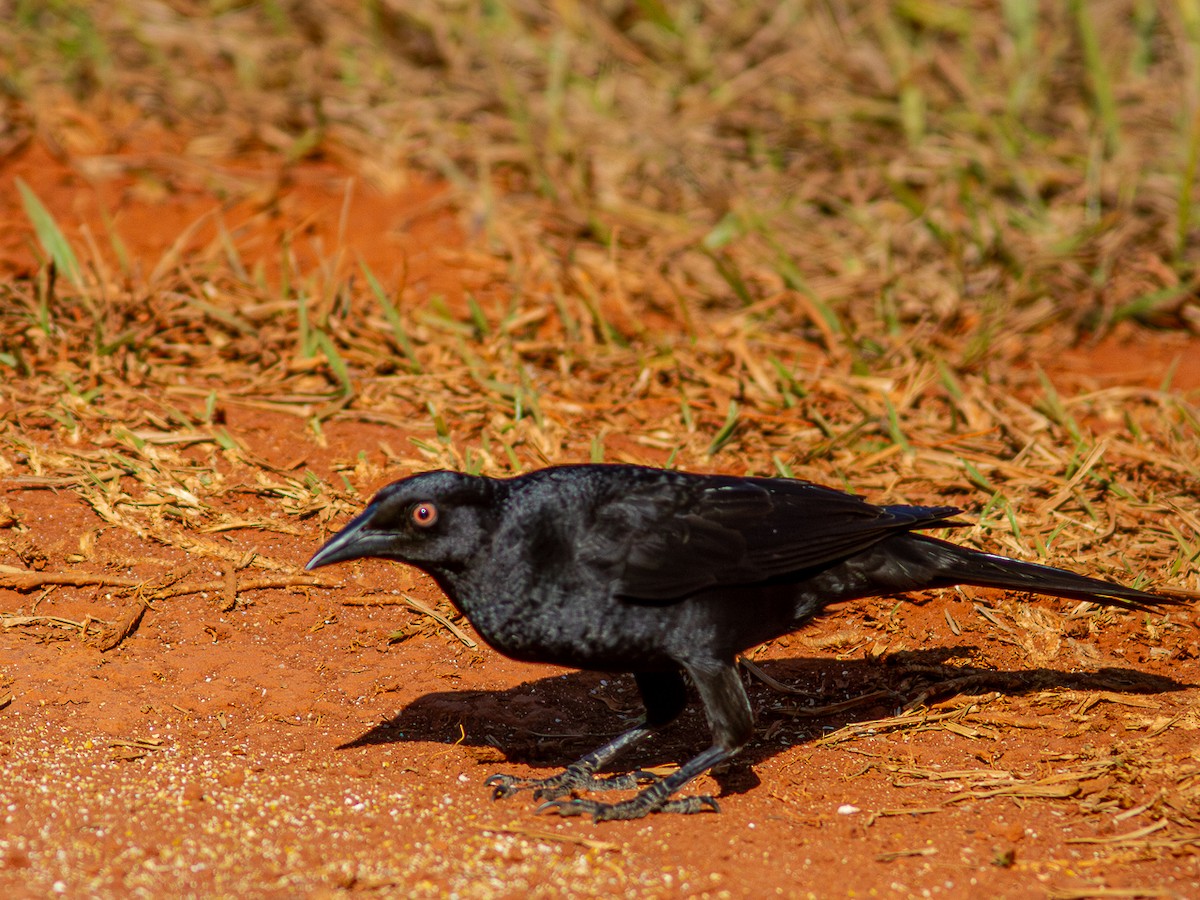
[[285, 747]]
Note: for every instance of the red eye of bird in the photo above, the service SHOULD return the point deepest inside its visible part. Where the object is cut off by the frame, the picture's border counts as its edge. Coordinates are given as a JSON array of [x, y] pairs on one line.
[[424, 514]]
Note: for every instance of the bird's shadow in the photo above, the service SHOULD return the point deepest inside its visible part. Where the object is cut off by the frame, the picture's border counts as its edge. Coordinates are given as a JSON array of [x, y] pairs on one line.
[[552, 721]]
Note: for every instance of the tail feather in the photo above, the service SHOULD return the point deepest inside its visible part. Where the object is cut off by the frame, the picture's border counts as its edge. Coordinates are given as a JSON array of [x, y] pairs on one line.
[[961, 565]]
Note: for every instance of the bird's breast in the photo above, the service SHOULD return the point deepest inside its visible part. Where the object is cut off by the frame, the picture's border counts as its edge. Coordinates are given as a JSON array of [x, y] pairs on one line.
[[578, 626]]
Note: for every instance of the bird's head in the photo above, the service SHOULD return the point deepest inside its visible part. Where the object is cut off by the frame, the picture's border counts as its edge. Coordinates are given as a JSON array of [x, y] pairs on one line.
[[436, 521]]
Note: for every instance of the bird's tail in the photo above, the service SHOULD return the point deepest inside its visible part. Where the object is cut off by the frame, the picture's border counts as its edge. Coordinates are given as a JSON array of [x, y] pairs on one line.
[[962, 565]]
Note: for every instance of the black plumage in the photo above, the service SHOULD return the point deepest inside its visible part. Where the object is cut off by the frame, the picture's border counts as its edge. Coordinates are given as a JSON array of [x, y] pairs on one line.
[[663, 573]]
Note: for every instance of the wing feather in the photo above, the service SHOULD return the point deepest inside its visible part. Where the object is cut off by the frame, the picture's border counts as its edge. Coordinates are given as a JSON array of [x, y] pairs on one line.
[[668, 539]]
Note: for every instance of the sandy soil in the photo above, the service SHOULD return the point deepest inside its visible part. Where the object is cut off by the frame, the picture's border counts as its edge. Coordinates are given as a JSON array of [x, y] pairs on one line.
[[282, 742]]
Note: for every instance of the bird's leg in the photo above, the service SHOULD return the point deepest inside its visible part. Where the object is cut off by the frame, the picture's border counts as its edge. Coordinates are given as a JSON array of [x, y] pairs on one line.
[[728, 710], [664, 695]]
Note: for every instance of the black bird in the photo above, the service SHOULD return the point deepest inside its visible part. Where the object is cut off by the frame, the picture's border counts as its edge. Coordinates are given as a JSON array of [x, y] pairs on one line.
[[663, 573]]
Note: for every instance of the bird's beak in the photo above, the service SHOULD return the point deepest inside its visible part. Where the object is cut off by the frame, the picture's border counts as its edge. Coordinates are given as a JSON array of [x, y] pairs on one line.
[[355, 541]]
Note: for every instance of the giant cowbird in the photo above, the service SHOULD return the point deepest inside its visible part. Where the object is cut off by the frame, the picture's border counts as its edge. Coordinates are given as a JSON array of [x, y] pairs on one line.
[[663, 573]]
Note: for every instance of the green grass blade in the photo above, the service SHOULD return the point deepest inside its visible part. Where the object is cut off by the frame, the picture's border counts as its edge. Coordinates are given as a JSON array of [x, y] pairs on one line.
[[50, 236], [726, 432], [392, 315]]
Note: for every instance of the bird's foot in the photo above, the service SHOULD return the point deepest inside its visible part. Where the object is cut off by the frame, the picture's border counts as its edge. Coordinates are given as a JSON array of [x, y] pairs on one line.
[[633, 808], [654, 793], [573, 778]]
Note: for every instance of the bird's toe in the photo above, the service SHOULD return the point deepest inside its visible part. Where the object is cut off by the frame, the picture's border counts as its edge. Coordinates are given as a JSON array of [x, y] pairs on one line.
[[551, 791], [690, 805], [578, 806], [506, 785]]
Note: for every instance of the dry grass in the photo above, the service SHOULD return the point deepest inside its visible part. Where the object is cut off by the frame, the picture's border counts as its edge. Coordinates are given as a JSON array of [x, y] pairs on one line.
[[836, 241]]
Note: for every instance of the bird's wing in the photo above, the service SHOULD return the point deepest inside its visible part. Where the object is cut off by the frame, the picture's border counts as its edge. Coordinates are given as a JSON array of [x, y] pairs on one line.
[[665, 544]]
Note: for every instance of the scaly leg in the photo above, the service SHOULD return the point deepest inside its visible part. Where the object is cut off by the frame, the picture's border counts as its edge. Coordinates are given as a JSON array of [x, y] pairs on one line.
[[664, 695]]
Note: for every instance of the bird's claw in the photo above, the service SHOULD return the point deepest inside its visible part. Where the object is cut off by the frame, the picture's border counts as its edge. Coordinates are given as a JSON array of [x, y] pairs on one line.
[[543, 788], [569, 807], [565, 782], [507, 785], [554, 791], [634, 808]]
